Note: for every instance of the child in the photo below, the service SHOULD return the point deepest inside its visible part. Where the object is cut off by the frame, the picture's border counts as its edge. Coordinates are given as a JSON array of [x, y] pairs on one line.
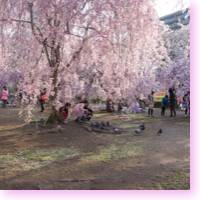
[[4, 96], [43, 97], [64, 111], [165, 104]]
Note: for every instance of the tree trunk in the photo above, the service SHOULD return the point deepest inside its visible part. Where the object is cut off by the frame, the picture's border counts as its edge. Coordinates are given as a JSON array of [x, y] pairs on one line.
[[54, 115]]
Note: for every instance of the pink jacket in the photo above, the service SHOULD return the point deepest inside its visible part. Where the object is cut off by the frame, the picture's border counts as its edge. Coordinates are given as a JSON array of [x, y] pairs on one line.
[[78, 110], [4, 95]]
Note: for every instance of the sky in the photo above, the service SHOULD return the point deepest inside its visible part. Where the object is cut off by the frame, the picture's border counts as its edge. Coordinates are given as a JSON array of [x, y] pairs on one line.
[[165, 7]]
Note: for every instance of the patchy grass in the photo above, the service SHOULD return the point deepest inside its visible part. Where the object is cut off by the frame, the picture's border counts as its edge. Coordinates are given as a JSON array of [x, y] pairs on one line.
[[113, 153], [42, 155], [10, 127], [33, 159], [178, 181]]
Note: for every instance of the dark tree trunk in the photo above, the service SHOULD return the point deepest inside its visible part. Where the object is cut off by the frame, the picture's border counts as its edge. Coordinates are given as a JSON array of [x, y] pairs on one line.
[[55, 57]]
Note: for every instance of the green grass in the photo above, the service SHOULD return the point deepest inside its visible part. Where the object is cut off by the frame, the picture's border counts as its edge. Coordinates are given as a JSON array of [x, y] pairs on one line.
[[177, 181], [113, 153], [35, 158]]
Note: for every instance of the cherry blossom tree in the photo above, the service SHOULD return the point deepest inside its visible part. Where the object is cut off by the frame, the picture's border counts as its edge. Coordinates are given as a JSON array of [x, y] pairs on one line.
[[71, 47], [178, 72]]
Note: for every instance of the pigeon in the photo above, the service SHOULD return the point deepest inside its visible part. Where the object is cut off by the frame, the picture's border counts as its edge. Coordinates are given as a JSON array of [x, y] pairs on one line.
[[59, 128], [103, 123], [160, 131], [138, 131], [142, 127], [96, 125], [42, 120], [116, 130], [108, 124]]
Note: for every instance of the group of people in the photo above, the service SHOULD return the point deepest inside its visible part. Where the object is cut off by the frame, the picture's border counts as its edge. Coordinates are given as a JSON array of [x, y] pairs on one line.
[[170, 101], [82, 112]]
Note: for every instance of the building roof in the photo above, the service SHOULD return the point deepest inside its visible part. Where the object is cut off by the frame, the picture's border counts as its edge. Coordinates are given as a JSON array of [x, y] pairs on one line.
[[176, 19]]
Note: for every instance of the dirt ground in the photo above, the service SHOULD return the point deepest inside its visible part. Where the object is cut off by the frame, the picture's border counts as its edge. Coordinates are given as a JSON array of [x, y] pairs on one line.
[[74, 158]]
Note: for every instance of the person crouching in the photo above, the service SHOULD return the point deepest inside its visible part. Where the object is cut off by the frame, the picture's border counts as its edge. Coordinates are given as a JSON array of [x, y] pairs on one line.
[[64, 112]]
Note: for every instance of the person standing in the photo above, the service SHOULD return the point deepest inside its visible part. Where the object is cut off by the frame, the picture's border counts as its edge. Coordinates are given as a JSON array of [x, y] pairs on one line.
[[186, 100], [120, 106], [172, 102], [4, 96], [42, 99], [151, 104], [165, 104], [110, 105]]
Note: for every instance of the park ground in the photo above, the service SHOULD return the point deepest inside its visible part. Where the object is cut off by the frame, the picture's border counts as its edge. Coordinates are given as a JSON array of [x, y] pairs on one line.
[[75, 158]]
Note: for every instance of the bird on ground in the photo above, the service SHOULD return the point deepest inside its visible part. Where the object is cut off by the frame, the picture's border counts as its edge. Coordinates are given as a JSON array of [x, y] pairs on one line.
[[59, 128], [103, 123], [160, 131], [142, 127], [107, 123], [138, 131]]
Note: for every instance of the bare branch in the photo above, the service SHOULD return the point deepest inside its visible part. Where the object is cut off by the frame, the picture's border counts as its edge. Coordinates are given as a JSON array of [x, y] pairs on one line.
[[34, 27], [47, 52], [39, 58]]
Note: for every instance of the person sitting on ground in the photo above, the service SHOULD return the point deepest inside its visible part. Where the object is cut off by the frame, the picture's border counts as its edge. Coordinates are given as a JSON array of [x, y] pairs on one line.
[[42, 99], [88, 112], [165, 104], [4, 96], [64, 112], [136, 107], [82, 112]]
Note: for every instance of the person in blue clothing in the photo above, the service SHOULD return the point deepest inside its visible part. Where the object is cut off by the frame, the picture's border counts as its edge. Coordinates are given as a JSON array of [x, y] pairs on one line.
[[164, 105]]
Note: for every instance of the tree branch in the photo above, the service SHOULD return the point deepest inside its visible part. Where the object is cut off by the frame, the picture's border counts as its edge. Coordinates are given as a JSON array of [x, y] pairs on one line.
[[47, 52], [33, 26]]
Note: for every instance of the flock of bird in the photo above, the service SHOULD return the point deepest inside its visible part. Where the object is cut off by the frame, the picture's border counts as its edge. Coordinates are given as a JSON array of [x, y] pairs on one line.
[[107, 126]]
